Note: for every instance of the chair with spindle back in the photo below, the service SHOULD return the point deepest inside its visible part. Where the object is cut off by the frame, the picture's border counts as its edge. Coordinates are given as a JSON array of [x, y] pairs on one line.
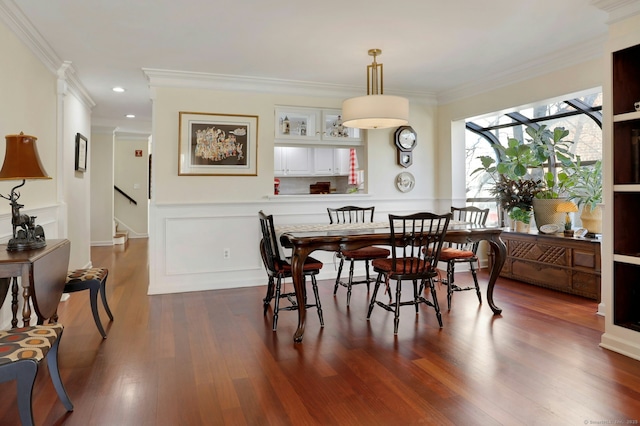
[[416, 242], [352, 214], [454, 253], [279, 269]]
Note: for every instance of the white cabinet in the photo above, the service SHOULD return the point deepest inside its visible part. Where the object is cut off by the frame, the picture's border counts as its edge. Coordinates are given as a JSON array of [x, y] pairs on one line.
[[323, 161], [303, 161], [331, 161], [292, 161], [313, 126], [341, 159]]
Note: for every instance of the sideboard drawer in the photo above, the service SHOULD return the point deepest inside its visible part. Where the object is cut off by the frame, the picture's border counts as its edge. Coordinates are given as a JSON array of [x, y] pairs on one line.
[[540, 274]]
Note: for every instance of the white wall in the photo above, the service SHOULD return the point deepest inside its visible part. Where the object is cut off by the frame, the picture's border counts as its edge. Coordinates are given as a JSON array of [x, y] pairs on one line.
[[131, 175], [41, 98], [28, 104], [76, 184], [450, 124], [193, 218], [102, 165]]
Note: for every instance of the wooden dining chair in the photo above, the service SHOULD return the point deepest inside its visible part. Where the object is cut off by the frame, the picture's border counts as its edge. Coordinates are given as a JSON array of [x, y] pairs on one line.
[[352, 214], [21, 350], [278, 269], [416, 242], [454, 253]]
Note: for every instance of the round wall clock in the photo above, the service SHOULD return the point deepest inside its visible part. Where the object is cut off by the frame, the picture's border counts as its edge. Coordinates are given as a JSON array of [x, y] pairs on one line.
[[405, 139]]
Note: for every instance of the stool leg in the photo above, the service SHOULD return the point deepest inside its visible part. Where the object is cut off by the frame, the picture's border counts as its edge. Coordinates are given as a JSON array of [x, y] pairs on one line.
[[103, 294], [94, 308], [52, 362], [25, 377]]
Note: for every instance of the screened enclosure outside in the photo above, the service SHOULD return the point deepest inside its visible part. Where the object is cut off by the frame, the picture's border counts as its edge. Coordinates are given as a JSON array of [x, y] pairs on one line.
[[581, 116]]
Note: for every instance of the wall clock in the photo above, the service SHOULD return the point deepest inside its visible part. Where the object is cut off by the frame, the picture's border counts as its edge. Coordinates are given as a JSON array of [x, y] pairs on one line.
[[405, 139]]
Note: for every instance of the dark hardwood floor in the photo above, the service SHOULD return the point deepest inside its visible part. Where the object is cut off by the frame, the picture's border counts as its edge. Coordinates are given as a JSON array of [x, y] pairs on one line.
[[210, 358]]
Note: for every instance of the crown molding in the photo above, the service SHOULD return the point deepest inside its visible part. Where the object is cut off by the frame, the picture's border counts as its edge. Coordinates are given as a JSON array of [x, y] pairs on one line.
[[29, 35], [131, 135], [67, 74], [574, 55], [141, 128], [198, 80], [103, 130], [117, 133], [617, 9]]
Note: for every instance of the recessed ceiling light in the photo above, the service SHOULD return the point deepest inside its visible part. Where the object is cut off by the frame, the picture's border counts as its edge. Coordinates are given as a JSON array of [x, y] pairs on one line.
[[130, 116], [118, 89]]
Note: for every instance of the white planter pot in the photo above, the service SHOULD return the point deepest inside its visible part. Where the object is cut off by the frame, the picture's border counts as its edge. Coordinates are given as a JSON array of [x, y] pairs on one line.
[[522, 227], [592, 219]]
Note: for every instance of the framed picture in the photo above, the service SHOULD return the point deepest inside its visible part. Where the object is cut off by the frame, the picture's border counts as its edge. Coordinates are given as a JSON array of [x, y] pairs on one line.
[[217, 144], [81, 153]]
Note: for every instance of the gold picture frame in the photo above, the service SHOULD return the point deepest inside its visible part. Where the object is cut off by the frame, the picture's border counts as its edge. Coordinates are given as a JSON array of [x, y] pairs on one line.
[[217, 144]]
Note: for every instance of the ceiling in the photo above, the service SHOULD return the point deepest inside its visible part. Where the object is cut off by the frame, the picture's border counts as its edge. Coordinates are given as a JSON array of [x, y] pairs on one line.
[[429, 47]]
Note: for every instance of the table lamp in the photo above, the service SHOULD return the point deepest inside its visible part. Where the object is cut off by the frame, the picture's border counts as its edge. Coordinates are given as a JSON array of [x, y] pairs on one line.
[[21, 162], [567, 207]]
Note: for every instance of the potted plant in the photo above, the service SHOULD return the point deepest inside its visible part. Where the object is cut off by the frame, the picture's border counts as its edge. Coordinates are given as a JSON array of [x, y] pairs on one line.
[[583, 185], [512, 188], [522, 219], [527, 161], [553, 153]]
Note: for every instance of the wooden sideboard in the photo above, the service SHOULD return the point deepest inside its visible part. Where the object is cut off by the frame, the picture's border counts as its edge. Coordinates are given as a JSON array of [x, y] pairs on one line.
[[570, 265]]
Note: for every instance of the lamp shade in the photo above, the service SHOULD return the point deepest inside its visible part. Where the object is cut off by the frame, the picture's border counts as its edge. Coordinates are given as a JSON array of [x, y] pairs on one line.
[[567, 207], [375, 112], [21, 160]]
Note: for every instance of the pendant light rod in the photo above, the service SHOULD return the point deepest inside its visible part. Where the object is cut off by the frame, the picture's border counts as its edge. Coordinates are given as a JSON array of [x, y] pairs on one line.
[[372, 74]]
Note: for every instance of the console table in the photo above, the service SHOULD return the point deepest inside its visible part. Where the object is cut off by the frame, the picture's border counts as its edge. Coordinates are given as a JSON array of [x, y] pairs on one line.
[[42, 274], [567, 264]]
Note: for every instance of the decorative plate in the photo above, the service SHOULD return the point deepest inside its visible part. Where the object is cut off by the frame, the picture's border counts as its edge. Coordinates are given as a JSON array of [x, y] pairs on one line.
[[405, 182], [580, 232], [549, 229]]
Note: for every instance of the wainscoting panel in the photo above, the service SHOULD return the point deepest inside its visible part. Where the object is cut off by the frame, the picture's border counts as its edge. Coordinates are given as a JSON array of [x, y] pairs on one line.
[[198, 245], [187, 242]]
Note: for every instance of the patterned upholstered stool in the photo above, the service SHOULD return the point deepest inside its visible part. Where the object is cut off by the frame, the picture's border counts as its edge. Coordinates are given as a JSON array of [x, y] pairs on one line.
[[94, 280], [21, 350]]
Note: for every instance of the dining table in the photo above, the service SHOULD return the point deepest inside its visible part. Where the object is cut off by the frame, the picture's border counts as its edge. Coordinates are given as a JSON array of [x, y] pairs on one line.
[[303, 239]]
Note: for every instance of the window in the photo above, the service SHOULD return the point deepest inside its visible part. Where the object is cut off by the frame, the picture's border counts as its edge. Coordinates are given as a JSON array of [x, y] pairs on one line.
[[582, 116]]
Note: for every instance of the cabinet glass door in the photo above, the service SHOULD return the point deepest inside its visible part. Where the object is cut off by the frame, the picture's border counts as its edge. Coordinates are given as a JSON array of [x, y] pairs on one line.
[[333, 128], [297, 124]]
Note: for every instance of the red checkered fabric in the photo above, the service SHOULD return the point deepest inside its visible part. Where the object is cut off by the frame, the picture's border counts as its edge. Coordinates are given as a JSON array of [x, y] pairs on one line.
[[353, 165]]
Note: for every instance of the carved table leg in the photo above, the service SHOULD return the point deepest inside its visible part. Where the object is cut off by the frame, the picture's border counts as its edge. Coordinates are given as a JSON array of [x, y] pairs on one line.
[[26, 308], [500, 252], [299, 256], [14, 302]]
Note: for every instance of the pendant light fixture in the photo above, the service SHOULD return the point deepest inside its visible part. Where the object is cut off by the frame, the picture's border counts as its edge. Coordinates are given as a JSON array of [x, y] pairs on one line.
[[376, 110]]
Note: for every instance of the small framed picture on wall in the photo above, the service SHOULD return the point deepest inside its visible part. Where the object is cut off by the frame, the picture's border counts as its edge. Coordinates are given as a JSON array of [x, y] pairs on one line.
[[81, 153]]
